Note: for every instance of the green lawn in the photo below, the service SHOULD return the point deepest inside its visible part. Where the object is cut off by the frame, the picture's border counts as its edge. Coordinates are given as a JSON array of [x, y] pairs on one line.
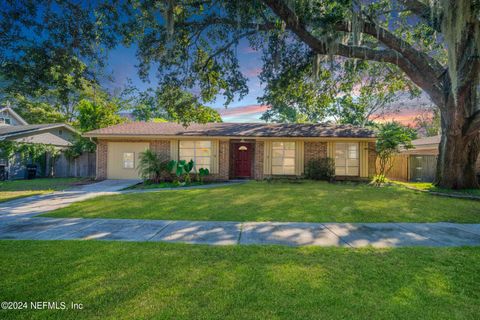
[[430, 187], [281, 201], [116, 280], [10, 190]]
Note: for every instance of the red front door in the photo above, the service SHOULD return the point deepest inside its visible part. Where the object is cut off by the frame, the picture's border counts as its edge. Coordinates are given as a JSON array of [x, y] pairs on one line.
[[243, 160]]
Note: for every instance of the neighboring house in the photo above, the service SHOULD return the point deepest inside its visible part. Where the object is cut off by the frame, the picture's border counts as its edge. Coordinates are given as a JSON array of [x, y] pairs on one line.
[[419, 164], [14, 128], [236, 150]]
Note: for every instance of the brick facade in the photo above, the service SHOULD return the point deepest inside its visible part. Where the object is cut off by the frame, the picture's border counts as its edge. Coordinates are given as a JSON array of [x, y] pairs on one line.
[[161, 148], [314, 151], [258, 160], [102, 153], [223, 160], [372, 158]]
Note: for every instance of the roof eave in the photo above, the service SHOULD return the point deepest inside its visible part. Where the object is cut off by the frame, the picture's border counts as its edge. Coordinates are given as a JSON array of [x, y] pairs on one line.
[[152, 136], [39, 130]]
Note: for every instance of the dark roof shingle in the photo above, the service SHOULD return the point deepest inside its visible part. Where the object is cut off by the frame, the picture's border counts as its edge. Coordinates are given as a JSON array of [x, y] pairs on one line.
[[7, 130], [233, 130]]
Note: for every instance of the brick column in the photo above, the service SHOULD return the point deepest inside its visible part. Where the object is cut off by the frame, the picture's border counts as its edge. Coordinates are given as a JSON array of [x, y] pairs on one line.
[[223, 160], [161, 148], [102, 153], [258, 160], [314, 151]]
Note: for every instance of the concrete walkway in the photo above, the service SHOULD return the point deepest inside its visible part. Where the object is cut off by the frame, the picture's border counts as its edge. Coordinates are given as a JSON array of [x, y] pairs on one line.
[[231, 233], [17, 221]]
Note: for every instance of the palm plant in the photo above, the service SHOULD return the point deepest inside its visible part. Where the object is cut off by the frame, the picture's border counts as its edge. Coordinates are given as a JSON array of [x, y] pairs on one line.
[[151, 167]]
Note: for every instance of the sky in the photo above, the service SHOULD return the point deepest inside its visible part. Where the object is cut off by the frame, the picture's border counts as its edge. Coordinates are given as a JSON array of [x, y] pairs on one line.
[[122, 61]]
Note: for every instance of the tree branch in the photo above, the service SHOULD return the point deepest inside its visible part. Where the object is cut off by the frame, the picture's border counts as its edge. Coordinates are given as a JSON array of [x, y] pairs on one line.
[[226, 47], [212, 20], [424, 12], [421, 77]]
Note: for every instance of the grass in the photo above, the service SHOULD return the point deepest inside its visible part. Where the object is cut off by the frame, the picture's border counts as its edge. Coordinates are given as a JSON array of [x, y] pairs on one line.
[[428, 186], [116, 280], [281, 201], [10, 190]]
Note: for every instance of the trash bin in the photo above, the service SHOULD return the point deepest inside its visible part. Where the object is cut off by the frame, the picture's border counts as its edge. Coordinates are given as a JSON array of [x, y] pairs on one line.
[[31, 171], [3, 173]]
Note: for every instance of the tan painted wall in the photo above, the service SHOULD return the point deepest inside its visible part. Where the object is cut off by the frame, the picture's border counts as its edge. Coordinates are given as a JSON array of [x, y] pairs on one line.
[[115, 150]]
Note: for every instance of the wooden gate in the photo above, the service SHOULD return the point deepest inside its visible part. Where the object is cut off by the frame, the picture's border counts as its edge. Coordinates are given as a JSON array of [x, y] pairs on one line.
[[422, 168]]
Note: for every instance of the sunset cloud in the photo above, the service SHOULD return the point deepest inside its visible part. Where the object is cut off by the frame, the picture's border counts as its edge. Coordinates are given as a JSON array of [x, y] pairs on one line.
[[243, 110]]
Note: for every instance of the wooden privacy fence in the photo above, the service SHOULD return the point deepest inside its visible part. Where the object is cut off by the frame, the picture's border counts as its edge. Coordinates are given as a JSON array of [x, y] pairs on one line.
[[412, 167], [83, 166], [399, 169]]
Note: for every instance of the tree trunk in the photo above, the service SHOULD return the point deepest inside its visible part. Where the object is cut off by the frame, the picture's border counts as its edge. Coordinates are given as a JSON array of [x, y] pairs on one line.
[[458, 152]]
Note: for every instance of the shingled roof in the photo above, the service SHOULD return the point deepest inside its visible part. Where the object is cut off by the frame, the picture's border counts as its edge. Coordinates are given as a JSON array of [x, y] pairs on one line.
[[233, 130], [10, 131]]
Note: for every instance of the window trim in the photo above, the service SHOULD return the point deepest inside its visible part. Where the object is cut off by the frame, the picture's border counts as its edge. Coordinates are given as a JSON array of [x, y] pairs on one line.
[[346, 152], [133, 161], [5, 120], [197, 165], [294, 157]]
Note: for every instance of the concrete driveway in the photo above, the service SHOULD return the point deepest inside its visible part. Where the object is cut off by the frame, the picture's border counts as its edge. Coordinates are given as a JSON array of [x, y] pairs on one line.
[[31, 206]]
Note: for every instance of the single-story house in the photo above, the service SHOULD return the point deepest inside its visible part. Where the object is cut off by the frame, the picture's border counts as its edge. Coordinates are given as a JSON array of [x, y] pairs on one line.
[[419, 164], [236, 150], [14, 128]]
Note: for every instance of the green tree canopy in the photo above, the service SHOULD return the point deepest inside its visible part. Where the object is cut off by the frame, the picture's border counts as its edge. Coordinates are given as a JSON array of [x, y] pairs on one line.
[[392, 137], [93, 115]]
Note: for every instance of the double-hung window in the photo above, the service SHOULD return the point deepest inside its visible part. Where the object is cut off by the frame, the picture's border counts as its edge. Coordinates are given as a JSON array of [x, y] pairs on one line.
[[347, 161], [198, 151], [283, 158], [128, 160]]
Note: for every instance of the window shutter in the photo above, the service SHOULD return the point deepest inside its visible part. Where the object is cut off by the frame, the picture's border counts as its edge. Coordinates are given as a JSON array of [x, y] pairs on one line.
[[267, 158], [331, 149], [364, 159], [299, 159], [215, 155], [174, 150]]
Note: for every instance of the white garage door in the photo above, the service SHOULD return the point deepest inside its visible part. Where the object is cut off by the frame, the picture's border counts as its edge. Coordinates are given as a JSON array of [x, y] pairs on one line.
[[123, 159]]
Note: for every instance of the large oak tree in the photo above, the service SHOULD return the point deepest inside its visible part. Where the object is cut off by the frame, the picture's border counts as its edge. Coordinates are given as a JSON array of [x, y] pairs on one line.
[[196, 41], [193, 44]]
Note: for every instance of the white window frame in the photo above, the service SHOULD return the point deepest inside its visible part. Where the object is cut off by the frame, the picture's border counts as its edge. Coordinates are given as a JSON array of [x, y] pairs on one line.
[[281, 147], [4, 120], [125, 161], [349, 160], [196, 156]]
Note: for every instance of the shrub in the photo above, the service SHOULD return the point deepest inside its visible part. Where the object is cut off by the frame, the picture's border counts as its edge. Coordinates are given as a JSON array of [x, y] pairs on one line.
[[202, 173], [320, 169], [181, 169], [151, 167]]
